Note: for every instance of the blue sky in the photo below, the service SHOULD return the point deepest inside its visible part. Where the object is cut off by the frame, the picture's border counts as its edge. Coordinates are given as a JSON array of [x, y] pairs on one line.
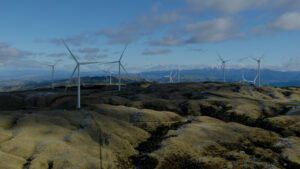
[[160, 33]]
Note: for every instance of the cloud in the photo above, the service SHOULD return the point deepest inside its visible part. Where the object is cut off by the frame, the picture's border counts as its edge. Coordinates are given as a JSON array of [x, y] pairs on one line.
[[168, 20], [215, 30], [9, 53], [139, 27], [74, 40], [56, 55], [237, 6], [198, 50], [156, 51], [123, 35], [89, 50], [292, 64], [92, 53], [225, 6], [169, 40], [288, 21]]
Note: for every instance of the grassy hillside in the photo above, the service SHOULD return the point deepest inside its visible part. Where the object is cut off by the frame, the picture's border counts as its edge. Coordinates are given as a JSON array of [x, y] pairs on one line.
[[193, 125]]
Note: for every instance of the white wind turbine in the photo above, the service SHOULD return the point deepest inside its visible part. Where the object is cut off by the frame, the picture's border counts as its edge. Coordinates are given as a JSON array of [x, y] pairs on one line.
[[77, 67], [52, 72], [120, 66], [242, 67], [223, 66], [108, 76], [52, 66], [170, 76], [244, 80], [178, 74], [258, 60]]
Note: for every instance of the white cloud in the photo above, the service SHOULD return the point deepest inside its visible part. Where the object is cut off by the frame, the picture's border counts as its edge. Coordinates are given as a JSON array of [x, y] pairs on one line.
[[8, 53], [92, 53], [75, 40], [170, 40], [236, 6], [141, 26], [89, 50], [288, 21], [156, 51], [216, 30], [292, 64], [56, 55], [225, 6]]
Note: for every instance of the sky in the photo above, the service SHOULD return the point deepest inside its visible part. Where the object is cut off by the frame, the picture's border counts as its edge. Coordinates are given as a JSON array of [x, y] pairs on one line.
[[159, 33]]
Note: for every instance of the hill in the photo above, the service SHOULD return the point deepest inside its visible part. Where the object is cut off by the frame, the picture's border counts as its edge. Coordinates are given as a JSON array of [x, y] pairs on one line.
[[191, 125]]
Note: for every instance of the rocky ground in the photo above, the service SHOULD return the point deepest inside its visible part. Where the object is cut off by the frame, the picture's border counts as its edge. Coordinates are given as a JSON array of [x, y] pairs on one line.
[[147, 126]]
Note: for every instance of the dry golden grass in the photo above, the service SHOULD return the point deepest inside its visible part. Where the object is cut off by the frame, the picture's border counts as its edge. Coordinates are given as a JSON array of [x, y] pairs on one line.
[[219, 136], [226, 145], [69, 139]]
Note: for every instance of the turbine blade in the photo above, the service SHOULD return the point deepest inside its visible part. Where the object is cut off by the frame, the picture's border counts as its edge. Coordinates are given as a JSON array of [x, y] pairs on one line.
[[123, 68], [45, 64], [254, 81], [262, 56], [123, 52], [219, 56], [254, 59], [70, 51], [71, 77], [242, 59], [111, 62], [74, 71], [88, 63], [244, 79]]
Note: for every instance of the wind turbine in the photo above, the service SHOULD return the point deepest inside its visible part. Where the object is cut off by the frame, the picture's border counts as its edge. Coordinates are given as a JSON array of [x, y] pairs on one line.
[[242, 67], [171, 77], [108, 79], [258, 60], [178, 74], [52, 72], [223, 66], [244, 80], [77, 67], [52, 66], [120, 66]]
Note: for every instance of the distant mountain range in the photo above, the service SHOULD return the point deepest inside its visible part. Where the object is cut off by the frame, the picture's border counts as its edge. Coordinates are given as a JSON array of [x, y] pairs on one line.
[[21, 80], [269, 77]]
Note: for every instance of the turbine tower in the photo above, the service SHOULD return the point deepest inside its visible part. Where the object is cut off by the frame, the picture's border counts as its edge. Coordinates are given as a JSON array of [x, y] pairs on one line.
[[108, 76], [77, 67], [223, 66], [171, 77], [178, 74], [52, 66], [52, 73], [258, 60]]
